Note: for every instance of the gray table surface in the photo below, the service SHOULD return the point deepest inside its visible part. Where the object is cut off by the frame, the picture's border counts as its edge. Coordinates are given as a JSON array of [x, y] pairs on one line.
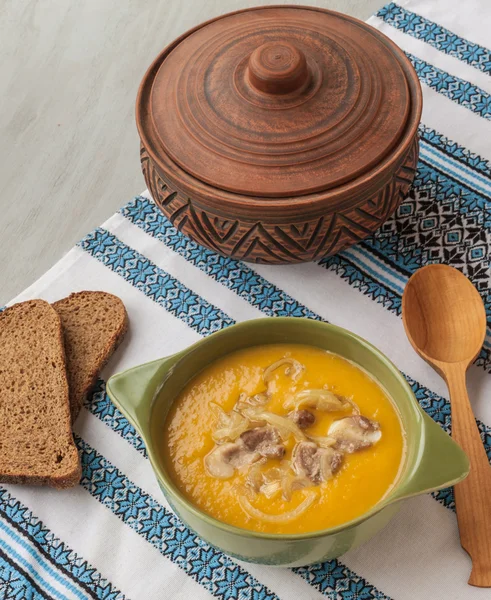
[[69, 150]]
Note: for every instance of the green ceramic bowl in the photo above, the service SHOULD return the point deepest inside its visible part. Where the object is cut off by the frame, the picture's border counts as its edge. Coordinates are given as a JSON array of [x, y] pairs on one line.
[[144, 395]]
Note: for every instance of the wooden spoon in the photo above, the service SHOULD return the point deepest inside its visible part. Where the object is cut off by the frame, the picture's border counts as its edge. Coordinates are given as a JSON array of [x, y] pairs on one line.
[[445, 321]]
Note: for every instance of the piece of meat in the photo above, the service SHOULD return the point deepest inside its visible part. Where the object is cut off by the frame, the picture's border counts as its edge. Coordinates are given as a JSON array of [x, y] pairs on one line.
[[222, 461], [317, 464], [335, 460], [258, 436], [302, 417], [354, 433], [265, 441]]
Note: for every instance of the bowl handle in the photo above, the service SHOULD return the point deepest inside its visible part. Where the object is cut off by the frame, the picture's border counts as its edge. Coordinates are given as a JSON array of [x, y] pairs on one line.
[[441, 463], [133, 390]]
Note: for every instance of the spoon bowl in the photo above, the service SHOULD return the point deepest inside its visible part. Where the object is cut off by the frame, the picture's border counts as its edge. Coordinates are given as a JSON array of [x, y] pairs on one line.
[[444, 315]]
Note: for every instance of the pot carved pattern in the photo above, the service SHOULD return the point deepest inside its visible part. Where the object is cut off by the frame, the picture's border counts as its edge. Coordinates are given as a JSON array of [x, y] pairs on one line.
[[270, 242]]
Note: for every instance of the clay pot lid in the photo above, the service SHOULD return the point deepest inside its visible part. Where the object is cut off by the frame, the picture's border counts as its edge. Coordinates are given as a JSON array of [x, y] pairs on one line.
[[279, 102]]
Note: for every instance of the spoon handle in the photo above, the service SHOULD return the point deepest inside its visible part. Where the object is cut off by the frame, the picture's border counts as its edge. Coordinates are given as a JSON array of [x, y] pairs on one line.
[[473, 495]]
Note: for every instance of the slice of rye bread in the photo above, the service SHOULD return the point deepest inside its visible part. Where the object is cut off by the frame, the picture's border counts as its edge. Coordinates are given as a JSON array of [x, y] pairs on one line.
[[36, 443], [94, 324]]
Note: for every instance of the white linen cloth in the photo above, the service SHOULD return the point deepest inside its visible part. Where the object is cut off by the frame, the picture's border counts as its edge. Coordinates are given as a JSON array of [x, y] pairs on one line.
[[114, 536]]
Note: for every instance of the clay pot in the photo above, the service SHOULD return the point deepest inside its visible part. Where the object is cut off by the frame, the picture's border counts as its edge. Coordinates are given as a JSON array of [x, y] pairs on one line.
[[279, 134]]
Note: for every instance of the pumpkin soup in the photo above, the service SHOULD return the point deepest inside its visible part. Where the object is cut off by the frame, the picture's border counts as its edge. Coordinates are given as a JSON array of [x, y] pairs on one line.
[[283, 439]]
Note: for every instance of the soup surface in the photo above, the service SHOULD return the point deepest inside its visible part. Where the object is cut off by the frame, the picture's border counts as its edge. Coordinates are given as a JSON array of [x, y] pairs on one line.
[[305, 473]]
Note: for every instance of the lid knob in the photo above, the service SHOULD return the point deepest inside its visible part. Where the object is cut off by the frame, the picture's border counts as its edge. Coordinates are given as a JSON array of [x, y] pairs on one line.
[[278, 68]]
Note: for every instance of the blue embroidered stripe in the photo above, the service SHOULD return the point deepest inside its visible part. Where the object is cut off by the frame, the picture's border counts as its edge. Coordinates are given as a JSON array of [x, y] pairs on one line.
[[15, 583], [99, 404], [368, 265], [460, 91], [338, 582], [473, 180], [437, 36], [449, 183], [231, 273], [212, 569], [329, 579], [372, 288], [362, 281], [398, 245], [454, 150], [469, 203], [372, 250], [154, 282], [395, 246], [54, 550], [35, 574], [444, 206], [365, 283]]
